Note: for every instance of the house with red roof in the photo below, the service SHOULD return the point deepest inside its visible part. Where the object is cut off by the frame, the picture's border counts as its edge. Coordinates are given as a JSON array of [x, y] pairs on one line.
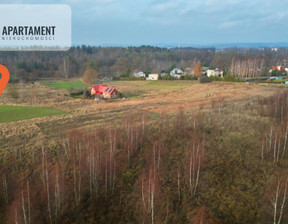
[[277, 68], [104, 91]]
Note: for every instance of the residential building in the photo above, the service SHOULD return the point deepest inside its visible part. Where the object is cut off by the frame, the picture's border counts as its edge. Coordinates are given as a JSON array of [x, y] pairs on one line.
[[138, 74], [176, 71], [153, 77], [277, 68], [103, 91], [215, 72]]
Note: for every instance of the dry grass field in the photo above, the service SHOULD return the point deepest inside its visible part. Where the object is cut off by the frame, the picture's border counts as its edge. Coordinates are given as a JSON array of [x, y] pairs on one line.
[[143, 97], [97, 159]]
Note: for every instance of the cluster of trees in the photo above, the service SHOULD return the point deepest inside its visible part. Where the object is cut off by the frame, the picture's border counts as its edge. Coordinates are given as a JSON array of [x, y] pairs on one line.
[[251, 67], [116, 61], [216, 167]]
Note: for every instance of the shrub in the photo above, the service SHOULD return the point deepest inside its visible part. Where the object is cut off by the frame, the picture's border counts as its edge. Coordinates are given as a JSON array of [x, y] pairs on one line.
[[204, 79], [131, 78], [79, 93], [86, 93], [120, 95]]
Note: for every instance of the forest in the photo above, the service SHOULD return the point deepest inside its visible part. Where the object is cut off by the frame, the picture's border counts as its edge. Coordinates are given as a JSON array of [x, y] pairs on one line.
[[121, 61]]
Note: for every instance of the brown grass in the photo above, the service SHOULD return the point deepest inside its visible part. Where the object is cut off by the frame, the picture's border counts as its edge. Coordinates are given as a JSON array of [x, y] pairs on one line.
[[164, 97]]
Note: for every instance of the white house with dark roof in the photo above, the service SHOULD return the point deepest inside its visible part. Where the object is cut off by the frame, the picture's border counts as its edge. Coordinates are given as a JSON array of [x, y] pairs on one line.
[[138, 74], [176, 71]]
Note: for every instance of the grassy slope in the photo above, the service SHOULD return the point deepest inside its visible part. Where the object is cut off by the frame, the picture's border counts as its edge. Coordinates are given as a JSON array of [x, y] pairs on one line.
[[140, 88], [17, 113], [65, 84]]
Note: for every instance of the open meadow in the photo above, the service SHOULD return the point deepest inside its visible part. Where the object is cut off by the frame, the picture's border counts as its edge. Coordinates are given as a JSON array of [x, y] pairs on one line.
[[141, 97]]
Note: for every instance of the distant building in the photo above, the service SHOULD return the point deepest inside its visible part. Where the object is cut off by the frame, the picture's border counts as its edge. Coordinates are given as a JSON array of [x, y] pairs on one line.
[[277, 68], [188, 71], [103, 91], [176, 76], [204, 70], [153, 77], [176, 71], [105, 79], [138, 74], [98, 89], [216, 72], [110, 93], [163, 74]]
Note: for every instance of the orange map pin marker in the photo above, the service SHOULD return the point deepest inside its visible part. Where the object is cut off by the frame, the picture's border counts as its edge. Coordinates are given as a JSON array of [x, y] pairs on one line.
[[4, 77]]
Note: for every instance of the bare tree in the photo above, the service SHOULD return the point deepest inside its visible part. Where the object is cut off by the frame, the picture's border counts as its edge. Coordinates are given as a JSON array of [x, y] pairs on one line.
[[278, 199], [66, 67]]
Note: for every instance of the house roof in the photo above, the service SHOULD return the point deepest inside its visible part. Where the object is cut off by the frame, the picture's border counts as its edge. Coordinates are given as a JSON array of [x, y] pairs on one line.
[[109, 90], [278, 68], [176, 70], [99, 88], [137, 71]]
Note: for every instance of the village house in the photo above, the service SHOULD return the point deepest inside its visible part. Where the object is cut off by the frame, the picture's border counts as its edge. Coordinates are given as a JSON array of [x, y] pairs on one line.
[[163, 73], [176, 73], [176, 76], [204, 70], [103, 91], [277, 68], [138, 74], [188, 71], [153, 77], [216, 72]]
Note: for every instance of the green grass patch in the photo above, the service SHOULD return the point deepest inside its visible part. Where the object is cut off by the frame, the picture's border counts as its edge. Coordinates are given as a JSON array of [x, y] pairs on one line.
[[65, 84], [17, 113]]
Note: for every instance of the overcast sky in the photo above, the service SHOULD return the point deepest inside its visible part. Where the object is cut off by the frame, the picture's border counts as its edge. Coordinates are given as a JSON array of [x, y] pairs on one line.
[[137, 22]]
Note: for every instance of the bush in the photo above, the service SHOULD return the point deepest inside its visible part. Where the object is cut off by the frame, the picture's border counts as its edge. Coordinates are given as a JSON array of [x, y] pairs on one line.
[[204, 79], [120, 95], [130, 78], [227, 78], [13, 92], [86, 93], [79, 93]]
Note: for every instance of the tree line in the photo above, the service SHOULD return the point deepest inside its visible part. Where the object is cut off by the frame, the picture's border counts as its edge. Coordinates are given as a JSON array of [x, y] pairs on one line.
[[117, 61]]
